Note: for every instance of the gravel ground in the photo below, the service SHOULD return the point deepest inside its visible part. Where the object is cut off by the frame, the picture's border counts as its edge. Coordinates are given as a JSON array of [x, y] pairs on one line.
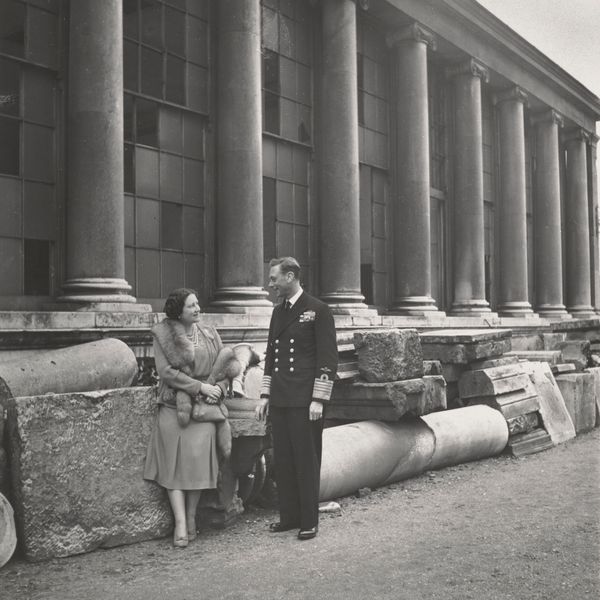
[[491, 530]]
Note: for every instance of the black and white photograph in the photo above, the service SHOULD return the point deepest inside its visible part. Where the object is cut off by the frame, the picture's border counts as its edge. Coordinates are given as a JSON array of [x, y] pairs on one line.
[[299, 299]]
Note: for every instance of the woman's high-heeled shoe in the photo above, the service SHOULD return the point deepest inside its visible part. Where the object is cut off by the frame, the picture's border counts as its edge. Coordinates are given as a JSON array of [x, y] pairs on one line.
[[180, 542]]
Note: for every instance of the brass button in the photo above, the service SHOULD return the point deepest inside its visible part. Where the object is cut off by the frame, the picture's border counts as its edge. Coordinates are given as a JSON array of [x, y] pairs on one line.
[[291, 359], [291, 369], [276, 350], [277, 341], [276, 360], [292, 341], [291, 350], [276, 369]]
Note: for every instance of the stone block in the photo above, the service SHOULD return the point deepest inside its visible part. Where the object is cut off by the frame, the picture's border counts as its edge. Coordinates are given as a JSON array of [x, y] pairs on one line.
[[527, 341], [465, 346], [578, 389], [432, 367], [576, 352], [452, 372], [552, 357], [507, 389], [595, 371], [76, 465], [551, 340], [553, 411], [389, 355], [563, 368], [242, 418], [387, 401]]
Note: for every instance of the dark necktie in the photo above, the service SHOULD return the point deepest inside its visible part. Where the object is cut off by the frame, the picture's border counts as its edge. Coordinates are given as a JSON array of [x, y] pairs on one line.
[[287, 305]]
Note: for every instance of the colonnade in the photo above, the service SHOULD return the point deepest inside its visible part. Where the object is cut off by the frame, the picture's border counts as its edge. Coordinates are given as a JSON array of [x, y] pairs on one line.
[[95, 265]]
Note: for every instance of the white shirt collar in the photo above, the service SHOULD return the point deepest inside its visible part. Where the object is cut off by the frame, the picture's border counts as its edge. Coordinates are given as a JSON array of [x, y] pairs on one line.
[[295, 297]]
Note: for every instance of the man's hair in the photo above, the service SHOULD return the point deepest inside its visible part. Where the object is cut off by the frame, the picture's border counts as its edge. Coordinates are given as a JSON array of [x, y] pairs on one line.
[[287, 264], [176, 301]]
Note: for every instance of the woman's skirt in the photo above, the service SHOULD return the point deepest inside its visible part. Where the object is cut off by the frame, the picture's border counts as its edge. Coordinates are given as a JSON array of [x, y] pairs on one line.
[[182, 458]]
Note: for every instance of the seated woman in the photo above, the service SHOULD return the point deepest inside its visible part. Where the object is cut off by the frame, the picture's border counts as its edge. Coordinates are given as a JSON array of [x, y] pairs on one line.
[[191, 424]]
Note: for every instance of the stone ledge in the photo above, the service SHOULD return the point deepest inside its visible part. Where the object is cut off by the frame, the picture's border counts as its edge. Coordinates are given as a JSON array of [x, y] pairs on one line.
[[576, 325], [468, 336], [387, 401]]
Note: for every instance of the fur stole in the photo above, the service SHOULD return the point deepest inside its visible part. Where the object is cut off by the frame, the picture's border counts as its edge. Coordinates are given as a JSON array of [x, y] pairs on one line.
[[175, 344]]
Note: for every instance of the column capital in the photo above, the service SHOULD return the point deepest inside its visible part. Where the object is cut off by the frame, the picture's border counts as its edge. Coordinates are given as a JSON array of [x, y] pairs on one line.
[[593, 139], [468, 67], [547, 116], [413, 32], [514, 93], [576, 134]]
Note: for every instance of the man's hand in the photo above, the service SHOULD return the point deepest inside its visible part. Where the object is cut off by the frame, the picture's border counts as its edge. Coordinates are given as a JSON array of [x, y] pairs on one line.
[[315, 411], [262, 409]]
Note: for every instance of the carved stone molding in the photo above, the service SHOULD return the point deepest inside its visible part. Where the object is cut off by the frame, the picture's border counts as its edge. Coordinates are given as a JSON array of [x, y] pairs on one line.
[[413, 32], [548, 116], [469, 67], [593, 140], [514, 93]]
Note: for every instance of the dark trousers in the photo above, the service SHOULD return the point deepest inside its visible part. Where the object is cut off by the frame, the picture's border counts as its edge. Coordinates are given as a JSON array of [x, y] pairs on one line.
[[297, 445]]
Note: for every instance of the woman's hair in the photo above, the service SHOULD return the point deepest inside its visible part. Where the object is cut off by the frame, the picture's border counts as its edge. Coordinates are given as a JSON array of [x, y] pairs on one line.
[[176, 301]]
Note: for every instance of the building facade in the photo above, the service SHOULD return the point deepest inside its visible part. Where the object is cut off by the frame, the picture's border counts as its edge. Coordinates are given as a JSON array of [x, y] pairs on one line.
[[418, 157]]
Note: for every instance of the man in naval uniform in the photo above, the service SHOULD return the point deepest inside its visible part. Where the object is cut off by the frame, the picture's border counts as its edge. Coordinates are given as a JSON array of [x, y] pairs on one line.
[[300, 366]]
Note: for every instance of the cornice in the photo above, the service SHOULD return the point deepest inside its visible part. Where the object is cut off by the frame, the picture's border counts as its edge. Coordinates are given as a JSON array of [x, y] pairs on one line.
[[503, 37], [413, 32], [469, 67], [514, 93], [547, 116]]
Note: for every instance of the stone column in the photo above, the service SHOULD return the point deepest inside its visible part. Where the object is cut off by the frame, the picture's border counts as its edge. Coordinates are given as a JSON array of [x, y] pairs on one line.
[[412, 226], [240, 269], [547, 219], [513, 292], [95, 214], [469, 249], [577, 224], [339, 224]]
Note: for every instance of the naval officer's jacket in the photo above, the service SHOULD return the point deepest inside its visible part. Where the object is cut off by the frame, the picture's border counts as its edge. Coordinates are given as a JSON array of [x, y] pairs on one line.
[[301, 358]]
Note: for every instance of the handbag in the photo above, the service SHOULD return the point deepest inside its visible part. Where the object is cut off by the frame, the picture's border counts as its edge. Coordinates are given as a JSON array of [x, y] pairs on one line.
[[203, 411]]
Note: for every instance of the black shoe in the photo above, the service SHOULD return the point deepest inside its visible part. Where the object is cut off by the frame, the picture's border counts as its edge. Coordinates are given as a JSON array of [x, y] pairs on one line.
[[308, 534], [280, 527]]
